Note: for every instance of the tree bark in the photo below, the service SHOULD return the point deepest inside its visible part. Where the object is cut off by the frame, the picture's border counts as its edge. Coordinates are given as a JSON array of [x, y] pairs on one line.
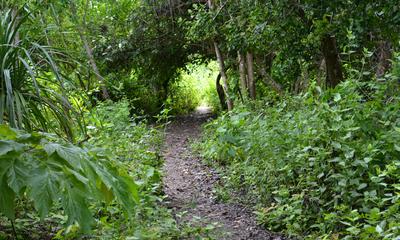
[[334, 74], [221, 93], [384, 56], [250, 74], [89, 53], [269, 81], [221, 65], [321, 72], [242, 73], [224, 78]]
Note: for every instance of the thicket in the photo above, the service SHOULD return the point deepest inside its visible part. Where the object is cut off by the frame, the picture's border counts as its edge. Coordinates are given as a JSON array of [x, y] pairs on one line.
[[109, 187], [68, 169], [323, 165], [78, 79]]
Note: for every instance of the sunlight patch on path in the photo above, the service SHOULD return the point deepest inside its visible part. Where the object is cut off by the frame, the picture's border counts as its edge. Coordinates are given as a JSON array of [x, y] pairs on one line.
[[203, 110]]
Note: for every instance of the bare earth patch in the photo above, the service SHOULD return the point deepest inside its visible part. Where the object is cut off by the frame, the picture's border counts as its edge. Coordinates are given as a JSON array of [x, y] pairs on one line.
[[189, 185]]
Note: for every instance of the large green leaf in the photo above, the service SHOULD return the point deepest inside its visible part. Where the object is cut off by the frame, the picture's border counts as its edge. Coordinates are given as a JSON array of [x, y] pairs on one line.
[[5, 147], [43, 189], [45, 172], [17, 175], [7, 199], [73, 155], [76, 207], [7, 133]]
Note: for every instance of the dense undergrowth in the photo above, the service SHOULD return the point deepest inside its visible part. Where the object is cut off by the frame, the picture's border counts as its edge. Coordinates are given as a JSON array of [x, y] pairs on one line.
[[67, 192], [324, 165], [80, 79]]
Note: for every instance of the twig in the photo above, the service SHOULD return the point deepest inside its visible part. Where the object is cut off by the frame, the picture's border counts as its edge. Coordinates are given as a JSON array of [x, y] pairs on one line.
[[14, 230], [219, 11]]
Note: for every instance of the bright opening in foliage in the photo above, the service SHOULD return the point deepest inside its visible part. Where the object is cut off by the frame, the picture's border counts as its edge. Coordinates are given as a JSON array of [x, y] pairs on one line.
[[194, 87]]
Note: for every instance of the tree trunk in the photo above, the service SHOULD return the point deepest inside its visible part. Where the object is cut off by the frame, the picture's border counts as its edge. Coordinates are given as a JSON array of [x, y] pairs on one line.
[[250, 74], [334, 74], [89, 53], [221, 65], [221, 94], [321, 72], [224, 78], [267, 79], [242, 73], [384, 56]]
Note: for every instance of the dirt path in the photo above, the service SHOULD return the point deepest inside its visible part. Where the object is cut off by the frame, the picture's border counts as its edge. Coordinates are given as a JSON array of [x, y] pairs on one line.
[[189, 183]]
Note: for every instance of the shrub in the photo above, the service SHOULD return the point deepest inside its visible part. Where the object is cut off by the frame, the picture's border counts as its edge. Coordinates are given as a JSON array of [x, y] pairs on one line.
[[325, 164], [48, 172]]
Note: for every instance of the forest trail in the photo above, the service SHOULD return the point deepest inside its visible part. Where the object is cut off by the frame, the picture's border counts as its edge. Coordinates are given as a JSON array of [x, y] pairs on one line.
[[189, 185]]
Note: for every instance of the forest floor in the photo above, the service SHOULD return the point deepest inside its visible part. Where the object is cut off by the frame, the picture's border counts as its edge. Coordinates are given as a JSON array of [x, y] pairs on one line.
[[189, 185]]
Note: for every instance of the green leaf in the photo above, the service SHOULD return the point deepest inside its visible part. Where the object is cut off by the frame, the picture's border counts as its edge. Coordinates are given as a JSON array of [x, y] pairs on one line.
[[43, 190], [7, 199], [73, 155], [362, 186], [379, 229], [397, 147], [17, 175], [107, 193], [337, 97], [7, 133], [336, 145], [349, 154], [76, 208], [7, 146]]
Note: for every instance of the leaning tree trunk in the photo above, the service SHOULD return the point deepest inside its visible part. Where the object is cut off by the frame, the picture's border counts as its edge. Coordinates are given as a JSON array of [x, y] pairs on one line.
[[334, 74], [221, 64], [384, 56], [242, 73], [221, 93], [250, 74], [224, 78], [89, 53], [270, 82]]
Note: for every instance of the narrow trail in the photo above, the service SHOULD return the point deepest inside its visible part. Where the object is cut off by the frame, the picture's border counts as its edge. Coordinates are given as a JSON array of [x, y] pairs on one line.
[[189, 185]]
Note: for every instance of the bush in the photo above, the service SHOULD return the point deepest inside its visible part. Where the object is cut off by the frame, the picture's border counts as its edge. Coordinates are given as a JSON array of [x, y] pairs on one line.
[[110, 185], [320, 165], [48, 172]]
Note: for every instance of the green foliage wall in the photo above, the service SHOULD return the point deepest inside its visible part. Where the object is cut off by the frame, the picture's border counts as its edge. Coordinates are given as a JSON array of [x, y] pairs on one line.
[[324, 164]]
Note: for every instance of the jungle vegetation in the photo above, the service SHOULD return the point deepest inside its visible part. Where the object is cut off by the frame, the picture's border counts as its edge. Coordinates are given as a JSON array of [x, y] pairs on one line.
[[306, 93]]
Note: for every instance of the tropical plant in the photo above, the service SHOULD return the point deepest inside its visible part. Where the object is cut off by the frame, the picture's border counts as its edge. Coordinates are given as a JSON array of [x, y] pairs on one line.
[[50, 172], [32, 87]]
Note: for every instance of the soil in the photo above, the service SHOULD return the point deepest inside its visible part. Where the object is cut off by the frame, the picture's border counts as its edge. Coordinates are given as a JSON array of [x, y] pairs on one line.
[[189, 185]]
